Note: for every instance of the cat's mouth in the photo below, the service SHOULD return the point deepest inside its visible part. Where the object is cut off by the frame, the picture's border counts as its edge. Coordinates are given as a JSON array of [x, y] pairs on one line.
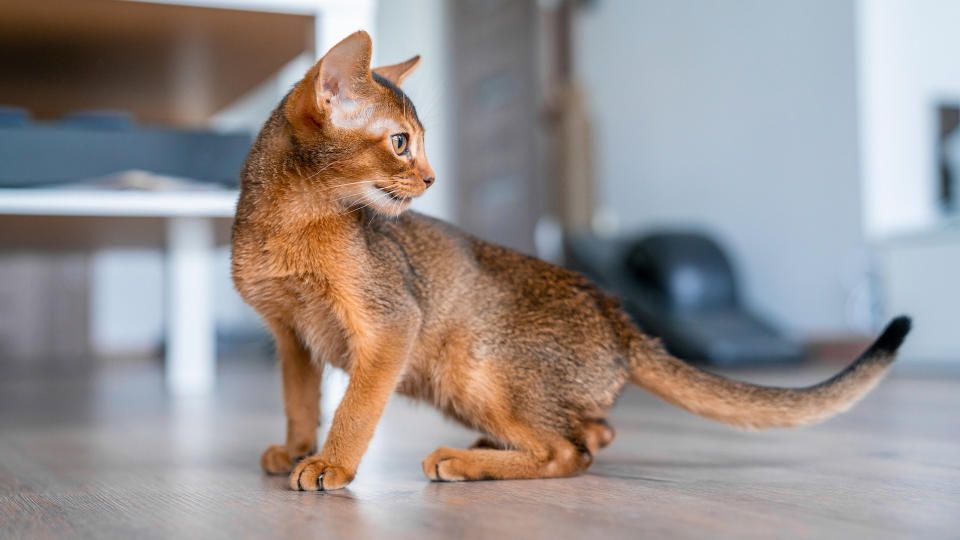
[[393, 195]]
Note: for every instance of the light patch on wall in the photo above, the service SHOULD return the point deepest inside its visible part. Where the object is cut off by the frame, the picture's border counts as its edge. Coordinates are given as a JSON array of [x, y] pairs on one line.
[[126, 301]]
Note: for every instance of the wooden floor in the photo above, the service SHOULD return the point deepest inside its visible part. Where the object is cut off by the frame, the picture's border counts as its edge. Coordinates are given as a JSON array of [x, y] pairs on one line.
[[111, 457]]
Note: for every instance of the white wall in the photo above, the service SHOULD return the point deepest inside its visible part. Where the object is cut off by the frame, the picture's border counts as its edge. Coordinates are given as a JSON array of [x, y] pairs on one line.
[[738, 117], [919, 278], [126, 301], [908, 51]]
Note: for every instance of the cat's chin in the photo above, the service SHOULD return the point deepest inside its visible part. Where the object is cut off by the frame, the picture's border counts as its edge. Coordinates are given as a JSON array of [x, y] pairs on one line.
[[386, 203], [394, 208]]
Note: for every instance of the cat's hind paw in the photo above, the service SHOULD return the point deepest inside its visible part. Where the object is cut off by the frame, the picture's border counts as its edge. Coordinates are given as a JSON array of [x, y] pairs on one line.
[[444, 465]]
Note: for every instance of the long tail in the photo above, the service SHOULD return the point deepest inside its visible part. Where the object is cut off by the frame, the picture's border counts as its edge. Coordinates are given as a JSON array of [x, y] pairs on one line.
[[750, 406]]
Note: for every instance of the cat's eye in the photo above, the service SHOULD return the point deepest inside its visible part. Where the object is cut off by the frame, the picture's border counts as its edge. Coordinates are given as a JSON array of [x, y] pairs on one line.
[[399, 142]]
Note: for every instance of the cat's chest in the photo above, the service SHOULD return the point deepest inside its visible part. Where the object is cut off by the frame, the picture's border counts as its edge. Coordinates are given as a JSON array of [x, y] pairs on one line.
[[304, 304], [322, 333], [328, 288]]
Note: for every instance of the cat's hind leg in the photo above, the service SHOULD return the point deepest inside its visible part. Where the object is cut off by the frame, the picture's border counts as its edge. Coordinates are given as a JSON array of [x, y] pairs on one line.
[[548, 459], [486, 442], [527, 457], [595, 435]]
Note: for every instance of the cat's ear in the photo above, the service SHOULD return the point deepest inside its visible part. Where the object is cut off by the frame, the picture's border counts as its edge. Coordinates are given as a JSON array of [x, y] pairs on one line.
[[344, 71], [338, 80], [396, 73]]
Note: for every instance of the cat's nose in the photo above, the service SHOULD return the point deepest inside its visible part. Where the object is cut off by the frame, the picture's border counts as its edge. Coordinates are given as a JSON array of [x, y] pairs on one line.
[[428, 180]]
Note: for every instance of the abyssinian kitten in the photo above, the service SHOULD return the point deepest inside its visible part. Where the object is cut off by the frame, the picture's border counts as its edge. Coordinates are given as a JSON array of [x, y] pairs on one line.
[[529, 354]]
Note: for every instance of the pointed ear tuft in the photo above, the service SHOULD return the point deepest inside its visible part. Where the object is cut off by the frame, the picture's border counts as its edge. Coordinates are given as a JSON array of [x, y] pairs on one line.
[[396, 73], [345, 69]]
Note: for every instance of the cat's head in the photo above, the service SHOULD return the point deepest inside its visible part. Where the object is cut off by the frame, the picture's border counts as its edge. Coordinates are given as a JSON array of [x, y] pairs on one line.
[[356, 134]]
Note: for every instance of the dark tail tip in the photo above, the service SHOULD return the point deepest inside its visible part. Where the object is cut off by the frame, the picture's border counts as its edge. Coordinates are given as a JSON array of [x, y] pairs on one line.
[[893, 335]]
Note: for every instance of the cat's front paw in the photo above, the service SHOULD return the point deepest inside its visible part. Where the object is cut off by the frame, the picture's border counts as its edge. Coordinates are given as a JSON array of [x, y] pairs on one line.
[[276, 460], [315, 474]]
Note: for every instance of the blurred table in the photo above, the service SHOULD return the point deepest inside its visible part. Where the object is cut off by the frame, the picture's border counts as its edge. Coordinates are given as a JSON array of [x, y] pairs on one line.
[[190, 218]]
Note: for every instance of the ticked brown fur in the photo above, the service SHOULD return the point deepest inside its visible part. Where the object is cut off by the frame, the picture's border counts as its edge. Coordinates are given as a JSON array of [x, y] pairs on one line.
[[527, 353]]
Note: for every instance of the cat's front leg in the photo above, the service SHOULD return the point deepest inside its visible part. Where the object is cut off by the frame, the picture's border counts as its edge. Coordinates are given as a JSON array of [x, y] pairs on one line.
[[375, 371], [301, 398]]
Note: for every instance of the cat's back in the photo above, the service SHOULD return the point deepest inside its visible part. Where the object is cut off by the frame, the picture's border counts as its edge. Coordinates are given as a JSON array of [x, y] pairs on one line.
[[493, 279]]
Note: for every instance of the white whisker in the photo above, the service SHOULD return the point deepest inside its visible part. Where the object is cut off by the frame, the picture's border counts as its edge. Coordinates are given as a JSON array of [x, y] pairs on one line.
[[325, 167], [326, 188], [357, 208]]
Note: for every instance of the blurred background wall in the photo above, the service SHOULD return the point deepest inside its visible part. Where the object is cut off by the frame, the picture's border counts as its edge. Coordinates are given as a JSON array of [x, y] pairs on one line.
[[740, 118], [802, 134], [905, 69]]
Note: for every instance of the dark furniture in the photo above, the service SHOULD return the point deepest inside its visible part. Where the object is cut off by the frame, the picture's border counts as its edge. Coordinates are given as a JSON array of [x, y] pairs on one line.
[[681, 287]]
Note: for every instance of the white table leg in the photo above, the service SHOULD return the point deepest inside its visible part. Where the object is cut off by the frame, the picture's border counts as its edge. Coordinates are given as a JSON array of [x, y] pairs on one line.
[[191, 345]]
